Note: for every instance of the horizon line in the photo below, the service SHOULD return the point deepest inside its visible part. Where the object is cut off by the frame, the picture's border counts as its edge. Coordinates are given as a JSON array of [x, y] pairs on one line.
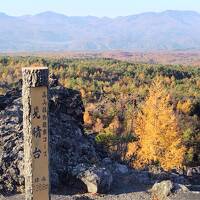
[[64, 14]]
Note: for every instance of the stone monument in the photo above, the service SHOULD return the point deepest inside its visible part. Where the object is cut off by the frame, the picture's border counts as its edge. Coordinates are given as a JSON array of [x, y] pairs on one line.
[[35, 129]]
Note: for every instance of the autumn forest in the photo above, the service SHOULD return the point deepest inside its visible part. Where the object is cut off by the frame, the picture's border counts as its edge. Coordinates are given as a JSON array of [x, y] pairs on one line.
[[146, 115]]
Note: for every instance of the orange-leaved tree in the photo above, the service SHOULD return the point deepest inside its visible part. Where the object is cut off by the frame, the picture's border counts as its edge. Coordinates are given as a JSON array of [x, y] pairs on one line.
[[157, 129], [87, 118]]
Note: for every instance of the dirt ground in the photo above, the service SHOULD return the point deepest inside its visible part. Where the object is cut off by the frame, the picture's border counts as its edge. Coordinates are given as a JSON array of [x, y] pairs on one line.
[[125, 188], [125, 196]]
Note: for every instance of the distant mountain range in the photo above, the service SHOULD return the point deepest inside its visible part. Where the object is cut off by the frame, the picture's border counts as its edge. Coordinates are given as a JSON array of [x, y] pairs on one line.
[[49, 31]]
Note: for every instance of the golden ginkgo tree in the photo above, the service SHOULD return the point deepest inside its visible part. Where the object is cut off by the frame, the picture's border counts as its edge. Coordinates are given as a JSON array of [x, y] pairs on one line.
[[158, 132]]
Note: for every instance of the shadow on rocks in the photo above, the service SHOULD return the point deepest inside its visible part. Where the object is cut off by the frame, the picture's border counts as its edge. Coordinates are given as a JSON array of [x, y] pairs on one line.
[[83, 198]]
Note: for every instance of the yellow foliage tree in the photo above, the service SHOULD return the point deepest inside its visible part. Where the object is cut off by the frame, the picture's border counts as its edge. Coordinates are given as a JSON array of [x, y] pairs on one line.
[[158, 132], [87, 118], [131, 149], [98, 125], [114, 126], [184, 107], [83, 93]]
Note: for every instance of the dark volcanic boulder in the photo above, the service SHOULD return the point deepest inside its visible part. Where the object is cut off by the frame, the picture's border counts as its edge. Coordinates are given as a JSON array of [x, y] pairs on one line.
[[10, 96], [68, 144], [96, 179]]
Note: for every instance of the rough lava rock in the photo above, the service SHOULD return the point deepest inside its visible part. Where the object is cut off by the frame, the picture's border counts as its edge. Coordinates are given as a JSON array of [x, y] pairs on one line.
[[121, 169], [97, 180], [165, 188], [193, 174], [69, 146], [162, 190], [180, 188]]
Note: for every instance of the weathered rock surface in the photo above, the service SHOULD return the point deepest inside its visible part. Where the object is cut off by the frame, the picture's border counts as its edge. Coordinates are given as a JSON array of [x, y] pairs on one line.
[[165, 188], [68, 145], [97, 180], [162, 190], [180, 188], [124, 187], [121, 169], [11, 95], [193, 174]]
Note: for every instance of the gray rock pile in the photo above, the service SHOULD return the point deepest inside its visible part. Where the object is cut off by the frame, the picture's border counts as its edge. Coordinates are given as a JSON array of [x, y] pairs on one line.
[[69, 146], [164, 189], [96, 179]]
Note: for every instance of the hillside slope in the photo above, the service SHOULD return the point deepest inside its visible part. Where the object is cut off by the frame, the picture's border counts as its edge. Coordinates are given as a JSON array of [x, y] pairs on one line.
[[49, 31]]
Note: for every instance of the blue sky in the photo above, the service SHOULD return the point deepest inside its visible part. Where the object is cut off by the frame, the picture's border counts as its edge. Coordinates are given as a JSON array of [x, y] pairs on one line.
[[110, 8]]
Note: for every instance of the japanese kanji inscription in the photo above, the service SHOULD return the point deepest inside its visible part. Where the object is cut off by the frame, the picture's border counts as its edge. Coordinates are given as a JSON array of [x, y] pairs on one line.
[[35, 125], [39, 109]]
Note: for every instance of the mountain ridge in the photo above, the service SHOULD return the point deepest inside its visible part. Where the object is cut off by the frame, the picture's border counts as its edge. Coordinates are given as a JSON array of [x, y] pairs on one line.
[[51, 31], [137, 14]]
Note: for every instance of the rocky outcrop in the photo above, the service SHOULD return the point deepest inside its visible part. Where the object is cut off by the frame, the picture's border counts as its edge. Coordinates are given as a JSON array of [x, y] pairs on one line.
[[96, 179], [10, 96], [162, 190], [69, 146], [193, 174]]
